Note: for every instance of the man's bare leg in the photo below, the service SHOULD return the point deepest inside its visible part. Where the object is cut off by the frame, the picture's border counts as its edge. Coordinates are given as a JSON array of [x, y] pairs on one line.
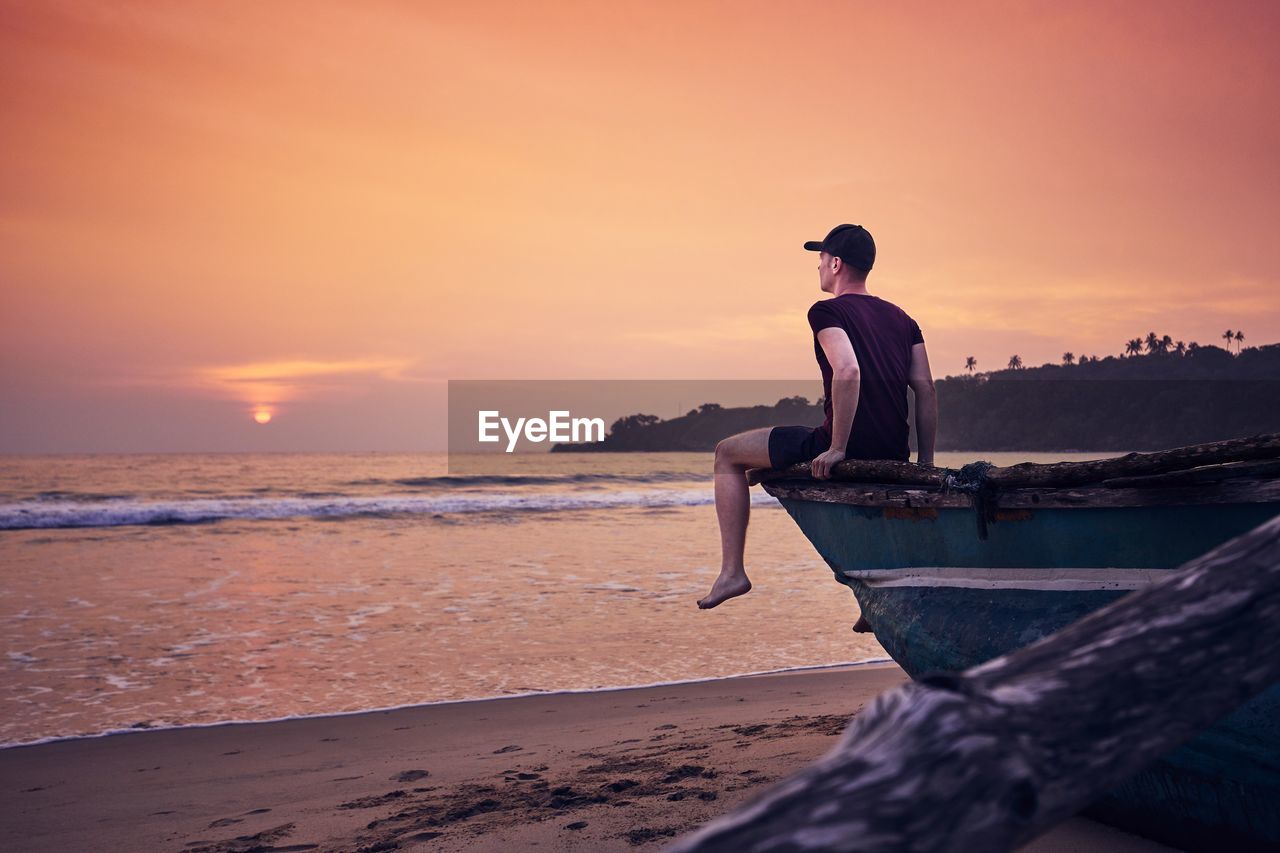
[[734, 456]]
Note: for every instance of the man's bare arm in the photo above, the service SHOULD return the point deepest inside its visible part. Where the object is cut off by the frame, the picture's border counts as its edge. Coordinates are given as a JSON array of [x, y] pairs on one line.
[[846, 386], [921, 381]]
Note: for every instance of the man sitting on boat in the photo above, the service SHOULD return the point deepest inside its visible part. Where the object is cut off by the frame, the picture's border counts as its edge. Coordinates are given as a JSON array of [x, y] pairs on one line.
[[869, 351]]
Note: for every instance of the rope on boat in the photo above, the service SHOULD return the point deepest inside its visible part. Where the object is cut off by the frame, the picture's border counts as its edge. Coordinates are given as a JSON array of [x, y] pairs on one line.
[[972, 479]]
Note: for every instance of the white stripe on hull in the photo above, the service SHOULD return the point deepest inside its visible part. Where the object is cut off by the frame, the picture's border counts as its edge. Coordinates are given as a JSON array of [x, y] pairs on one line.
[[1031, 578]]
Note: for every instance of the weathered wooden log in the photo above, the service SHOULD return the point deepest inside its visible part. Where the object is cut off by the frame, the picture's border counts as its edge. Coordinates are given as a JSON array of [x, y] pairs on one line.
[[989, 758], [1135, 464], [858, 470], [1200, 475], [1035, 474]]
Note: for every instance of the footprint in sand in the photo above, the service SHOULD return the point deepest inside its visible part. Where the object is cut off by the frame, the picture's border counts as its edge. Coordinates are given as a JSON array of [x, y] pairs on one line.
[[410, 776], [374, 801], [422, 836]]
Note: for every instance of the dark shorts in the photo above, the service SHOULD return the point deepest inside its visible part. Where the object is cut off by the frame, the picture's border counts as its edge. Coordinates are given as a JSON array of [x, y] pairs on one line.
[[791, 444]]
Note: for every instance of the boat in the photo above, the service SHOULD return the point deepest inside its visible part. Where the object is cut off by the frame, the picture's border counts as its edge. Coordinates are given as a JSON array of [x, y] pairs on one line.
[[952, 568]]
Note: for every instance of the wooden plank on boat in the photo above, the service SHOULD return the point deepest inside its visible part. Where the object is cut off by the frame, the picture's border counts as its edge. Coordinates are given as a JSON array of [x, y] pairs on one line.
[[989, 758], [1201, 474], [1224, 492], [1038, 578], [1264, 447], [1134, 464], [866, 494]]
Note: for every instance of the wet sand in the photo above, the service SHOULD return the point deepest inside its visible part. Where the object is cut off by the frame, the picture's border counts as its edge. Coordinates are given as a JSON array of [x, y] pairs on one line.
[[617, 770]]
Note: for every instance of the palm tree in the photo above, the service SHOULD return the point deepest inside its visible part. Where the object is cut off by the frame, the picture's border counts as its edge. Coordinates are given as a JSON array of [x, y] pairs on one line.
[[1165, 343], [1180, 348], [1068, 358], [1015, 362], [1153, 342], [1239, 340], [970, 363], [1228, 336], [1133, 347]]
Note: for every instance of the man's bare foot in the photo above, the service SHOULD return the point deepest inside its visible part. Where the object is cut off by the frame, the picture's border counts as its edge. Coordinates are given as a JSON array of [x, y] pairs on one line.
[[725, 587]]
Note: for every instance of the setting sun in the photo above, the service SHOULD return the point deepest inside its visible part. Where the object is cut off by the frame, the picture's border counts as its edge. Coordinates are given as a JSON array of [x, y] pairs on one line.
[[262, 416]]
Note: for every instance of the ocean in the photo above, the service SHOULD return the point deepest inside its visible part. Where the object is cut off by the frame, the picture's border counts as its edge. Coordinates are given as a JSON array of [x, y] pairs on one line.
[[144, 591]]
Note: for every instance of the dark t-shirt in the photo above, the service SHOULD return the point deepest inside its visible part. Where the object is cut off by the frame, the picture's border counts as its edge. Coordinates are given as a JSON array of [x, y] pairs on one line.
[[882, 336]]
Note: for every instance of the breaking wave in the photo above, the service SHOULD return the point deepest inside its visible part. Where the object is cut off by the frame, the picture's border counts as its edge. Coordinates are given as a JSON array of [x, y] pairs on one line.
[[539, 479], [45, 514]]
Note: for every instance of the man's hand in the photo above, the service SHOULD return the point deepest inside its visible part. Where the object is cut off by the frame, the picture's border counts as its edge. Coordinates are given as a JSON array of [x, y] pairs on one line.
[[822, 464]]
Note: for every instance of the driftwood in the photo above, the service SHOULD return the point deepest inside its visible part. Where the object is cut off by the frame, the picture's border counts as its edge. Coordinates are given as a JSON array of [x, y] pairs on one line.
[[990, 758], [1057, 474]]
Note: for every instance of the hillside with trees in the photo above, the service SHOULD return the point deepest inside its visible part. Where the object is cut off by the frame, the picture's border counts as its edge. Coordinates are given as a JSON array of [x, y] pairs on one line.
[[1158, 393]]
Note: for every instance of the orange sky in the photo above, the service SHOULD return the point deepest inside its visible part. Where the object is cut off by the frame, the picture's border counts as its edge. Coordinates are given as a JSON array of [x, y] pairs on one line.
[[338, 206]]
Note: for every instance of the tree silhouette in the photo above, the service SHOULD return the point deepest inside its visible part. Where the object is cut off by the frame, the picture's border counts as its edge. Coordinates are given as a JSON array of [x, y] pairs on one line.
[[1228, 336], [1015, 362], [1239, 340], [1133, 347], [633, 422], [1068, 358], [1153, 342], [1164, 344], [970, 363], [1180, 348]]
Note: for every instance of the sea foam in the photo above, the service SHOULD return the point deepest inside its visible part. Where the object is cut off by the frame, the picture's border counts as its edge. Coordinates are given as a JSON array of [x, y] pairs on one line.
[[45, 514]]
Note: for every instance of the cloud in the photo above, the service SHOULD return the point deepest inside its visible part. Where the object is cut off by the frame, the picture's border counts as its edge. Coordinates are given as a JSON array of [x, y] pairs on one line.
[[282, 381], [262, 383]]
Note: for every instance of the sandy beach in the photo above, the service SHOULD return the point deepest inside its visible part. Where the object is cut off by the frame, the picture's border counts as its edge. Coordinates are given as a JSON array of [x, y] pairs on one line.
[[614, 770]]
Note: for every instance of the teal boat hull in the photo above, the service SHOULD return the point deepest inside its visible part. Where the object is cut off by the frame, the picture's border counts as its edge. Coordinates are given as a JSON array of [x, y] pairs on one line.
[[940, 597]]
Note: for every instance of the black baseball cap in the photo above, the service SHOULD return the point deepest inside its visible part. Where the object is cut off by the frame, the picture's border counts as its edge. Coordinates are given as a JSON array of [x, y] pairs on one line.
[[850, 243]]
